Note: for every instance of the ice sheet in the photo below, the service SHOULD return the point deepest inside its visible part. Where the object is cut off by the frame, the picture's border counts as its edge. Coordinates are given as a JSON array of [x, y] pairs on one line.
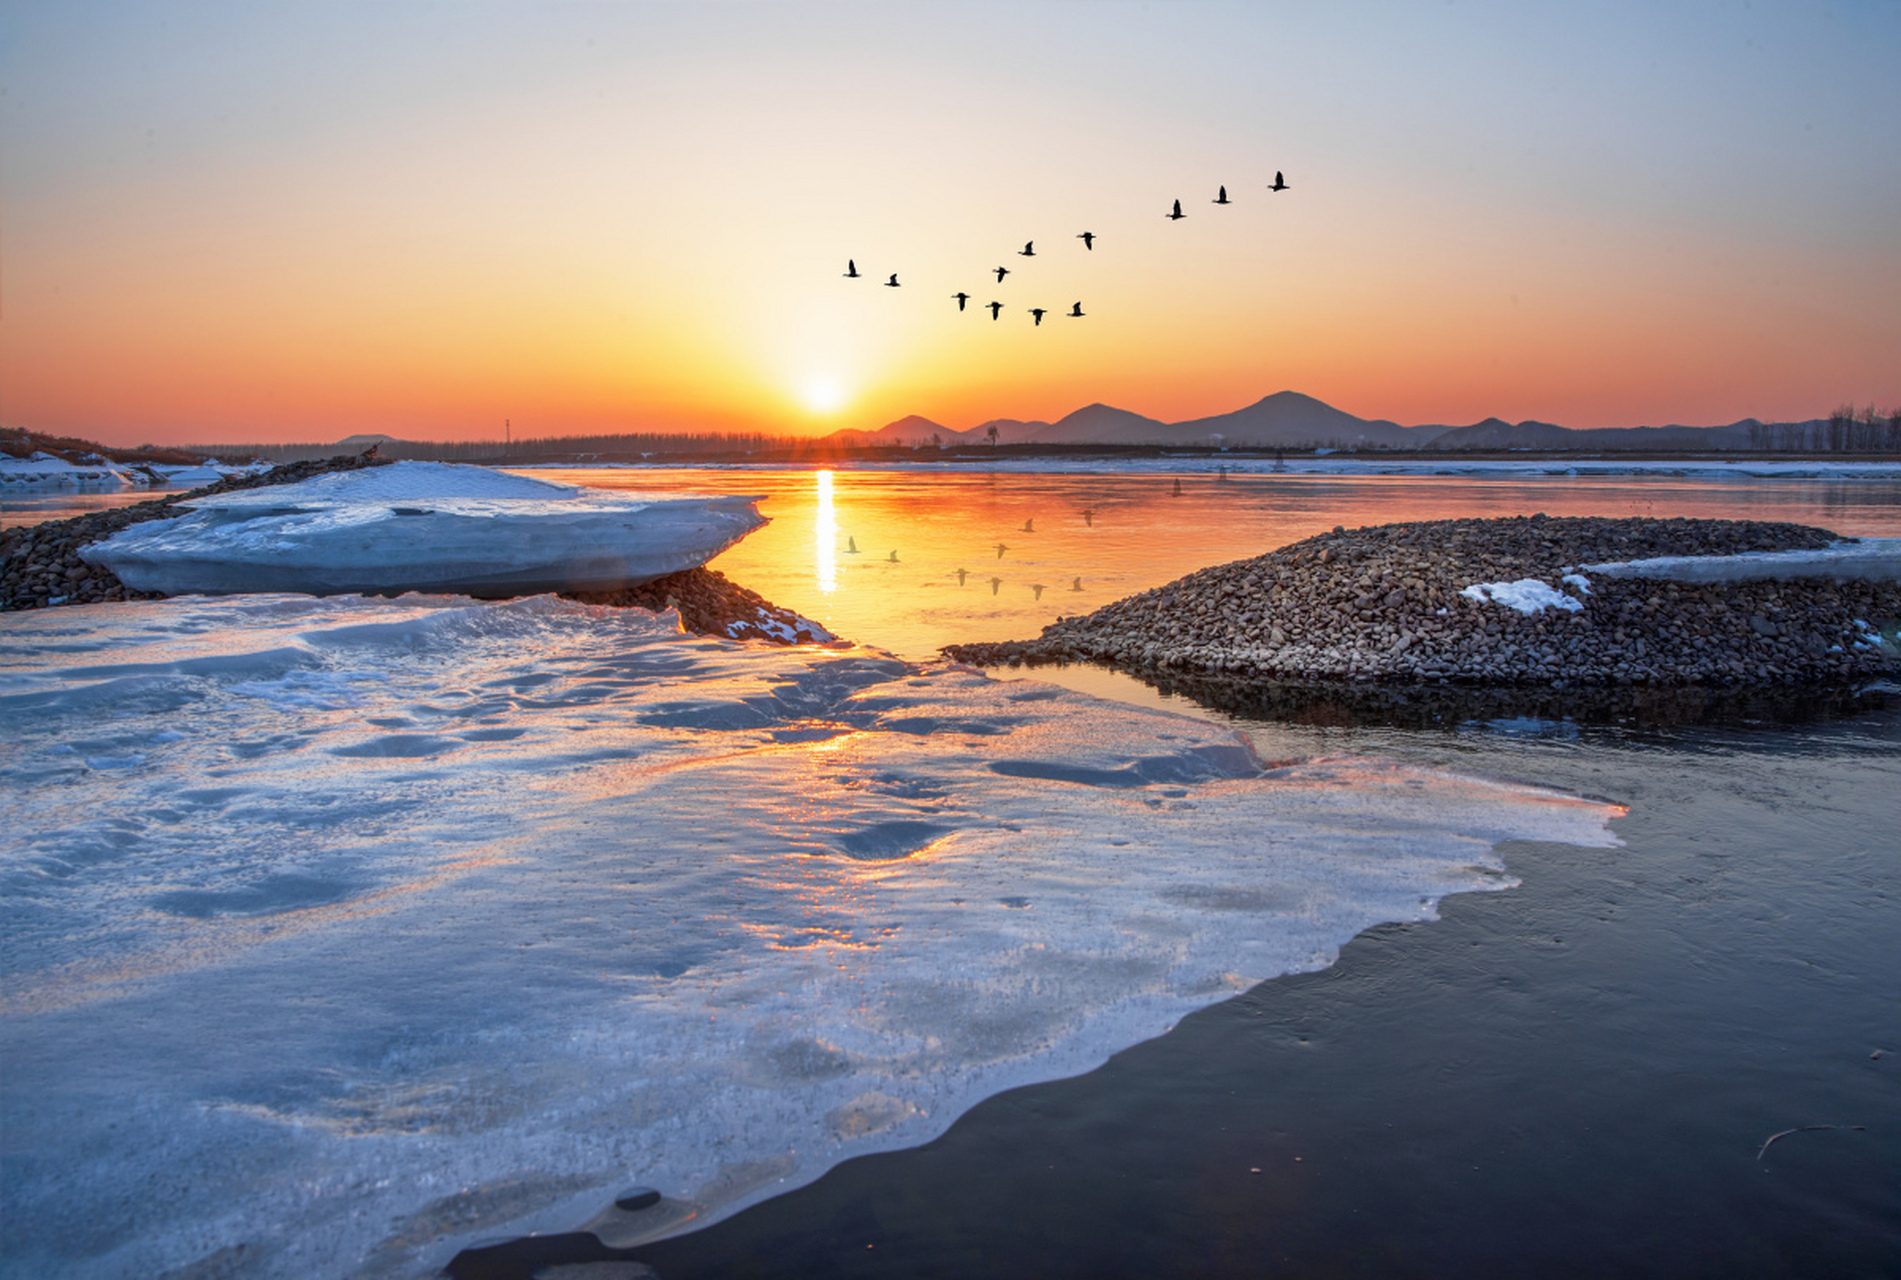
[[345, 933], [1869, 559], [427, 526]]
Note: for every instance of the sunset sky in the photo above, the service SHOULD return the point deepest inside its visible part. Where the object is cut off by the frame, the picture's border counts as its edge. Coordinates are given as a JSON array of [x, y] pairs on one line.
[[242, 222]]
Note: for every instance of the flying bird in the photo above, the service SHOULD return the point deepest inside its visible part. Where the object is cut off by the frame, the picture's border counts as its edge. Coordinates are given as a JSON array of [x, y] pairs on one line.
[[1029, 526], [1177, 213], [1028, 250], [1280, 183], [994, 584], [1001, 548], [1039, 313], [962, 298], [1077, 585], [1076, 311], [1001, 273], [1088, 238], [851, 270], [892, 283], [995, 307], [965, 573], [1222, 198], [1089, 518]]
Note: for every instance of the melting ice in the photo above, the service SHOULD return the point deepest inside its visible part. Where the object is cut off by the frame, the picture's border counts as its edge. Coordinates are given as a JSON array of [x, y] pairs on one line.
[[346, 933]]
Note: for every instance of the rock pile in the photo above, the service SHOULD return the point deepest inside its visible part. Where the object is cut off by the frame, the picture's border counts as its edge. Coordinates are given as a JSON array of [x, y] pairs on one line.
[[711, 604], [1386, 604]]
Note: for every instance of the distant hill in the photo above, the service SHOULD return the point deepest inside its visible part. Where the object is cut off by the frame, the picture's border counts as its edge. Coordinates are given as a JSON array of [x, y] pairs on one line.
[[1290, 420]]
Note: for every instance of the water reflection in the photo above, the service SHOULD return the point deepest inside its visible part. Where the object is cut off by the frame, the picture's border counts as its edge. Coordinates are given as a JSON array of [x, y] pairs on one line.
[[825, 535]]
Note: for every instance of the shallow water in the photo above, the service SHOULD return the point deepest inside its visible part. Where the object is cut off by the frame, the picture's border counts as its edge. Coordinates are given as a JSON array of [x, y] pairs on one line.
[[1571, 1078], [39, 507], [1137, 534]]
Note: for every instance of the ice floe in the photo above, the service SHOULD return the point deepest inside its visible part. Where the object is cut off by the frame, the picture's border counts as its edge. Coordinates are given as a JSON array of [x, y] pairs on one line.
[[1863, 559], [424, 526], [344, 933]]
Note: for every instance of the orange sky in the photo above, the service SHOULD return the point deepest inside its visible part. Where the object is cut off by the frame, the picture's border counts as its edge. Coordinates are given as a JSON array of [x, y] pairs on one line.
[[220, 225]]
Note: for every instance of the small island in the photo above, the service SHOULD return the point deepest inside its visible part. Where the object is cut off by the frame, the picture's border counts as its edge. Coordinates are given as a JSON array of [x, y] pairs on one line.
[[1500, 602]]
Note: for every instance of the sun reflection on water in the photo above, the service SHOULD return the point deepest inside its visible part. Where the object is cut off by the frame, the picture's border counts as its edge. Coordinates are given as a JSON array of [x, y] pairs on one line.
[[825, 536]]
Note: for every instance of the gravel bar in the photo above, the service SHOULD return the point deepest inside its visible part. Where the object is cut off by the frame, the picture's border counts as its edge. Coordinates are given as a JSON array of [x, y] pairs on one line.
[[1386, 604]]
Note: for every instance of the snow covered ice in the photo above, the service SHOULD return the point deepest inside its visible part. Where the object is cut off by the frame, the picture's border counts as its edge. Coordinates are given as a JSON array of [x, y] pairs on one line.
[[1866, 559], [424, 526], [346, 933]]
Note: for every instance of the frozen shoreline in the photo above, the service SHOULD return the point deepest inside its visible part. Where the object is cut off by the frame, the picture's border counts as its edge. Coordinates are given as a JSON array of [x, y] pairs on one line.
[[482, 953]]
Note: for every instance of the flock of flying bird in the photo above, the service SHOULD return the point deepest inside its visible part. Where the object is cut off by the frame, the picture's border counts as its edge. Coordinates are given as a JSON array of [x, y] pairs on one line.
[[1029, 251]]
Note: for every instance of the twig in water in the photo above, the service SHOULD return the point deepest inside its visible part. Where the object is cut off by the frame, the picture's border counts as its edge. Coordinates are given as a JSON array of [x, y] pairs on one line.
[[1805, 1128]]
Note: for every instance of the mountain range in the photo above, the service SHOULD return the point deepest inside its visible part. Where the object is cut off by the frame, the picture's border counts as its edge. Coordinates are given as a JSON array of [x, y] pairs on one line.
[[1290, 420]]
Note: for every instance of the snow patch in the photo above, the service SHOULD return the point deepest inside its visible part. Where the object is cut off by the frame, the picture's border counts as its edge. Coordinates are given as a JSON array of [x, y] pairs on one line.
[[1527, 595]]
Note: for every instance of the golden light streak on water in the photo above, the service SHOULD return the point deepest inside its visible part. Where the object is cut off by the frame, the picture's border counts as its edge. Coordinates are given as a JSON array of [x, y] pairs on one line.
[[825, 536]]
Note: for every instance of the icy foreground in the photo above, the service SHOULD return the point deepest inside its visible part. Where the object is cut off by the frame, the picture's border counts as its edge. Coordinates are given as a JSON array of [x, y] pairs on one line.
[[424, 526], [345, 933]]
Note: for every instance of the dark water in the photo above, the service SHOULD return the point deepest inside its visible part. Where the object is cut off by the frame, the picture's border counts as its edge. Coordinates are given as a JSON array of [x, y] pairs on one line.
[[1572, 1078]]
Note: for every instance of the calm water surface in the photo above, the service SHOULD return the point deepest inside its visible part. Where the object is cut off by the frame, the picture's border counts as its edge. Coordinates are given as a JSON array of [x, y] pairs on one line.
[[1096, 538]]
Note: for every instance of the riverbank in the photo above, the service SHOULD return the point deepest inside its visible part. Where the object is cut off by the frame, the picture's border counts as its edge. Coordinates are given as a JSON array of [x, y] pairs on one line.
[[1434, 601]]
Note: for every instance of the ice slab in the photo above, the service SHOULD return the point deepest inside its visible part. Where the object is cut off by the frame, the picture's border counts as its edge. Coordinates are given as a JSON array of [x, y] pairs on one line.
[[344, 933], [424, 526], [43, 473], [1866, 559]]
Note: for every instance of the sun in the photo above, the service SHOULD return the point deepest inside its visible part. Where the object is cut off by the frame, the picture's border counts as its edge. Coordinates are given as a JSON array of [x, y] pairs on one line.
[[822, 395]]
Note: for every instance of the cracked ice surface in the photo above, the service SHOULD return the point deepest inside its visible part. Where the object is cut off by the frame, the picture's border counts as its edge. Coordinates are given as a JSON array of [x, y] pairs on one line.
[[344, 933]]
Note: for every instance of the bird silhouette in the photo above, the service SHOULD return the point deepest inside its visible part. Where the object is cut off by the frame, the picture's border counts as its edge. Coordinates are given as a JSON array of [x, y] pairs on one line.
[[1001, 548], [994, 584], [1039, 313], [851, 270], [1177, 212], [962, 298], [1075, 312], [965, 573], [1028, 250], [1178, 487], [1222, 198], [1077, 585], [894, 558], [1029, 526], [1001, 273], [892, 283], [995, 307], [851, 546], [1088, 238], [1039, 588], [1089, 516], [1280, 183]]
